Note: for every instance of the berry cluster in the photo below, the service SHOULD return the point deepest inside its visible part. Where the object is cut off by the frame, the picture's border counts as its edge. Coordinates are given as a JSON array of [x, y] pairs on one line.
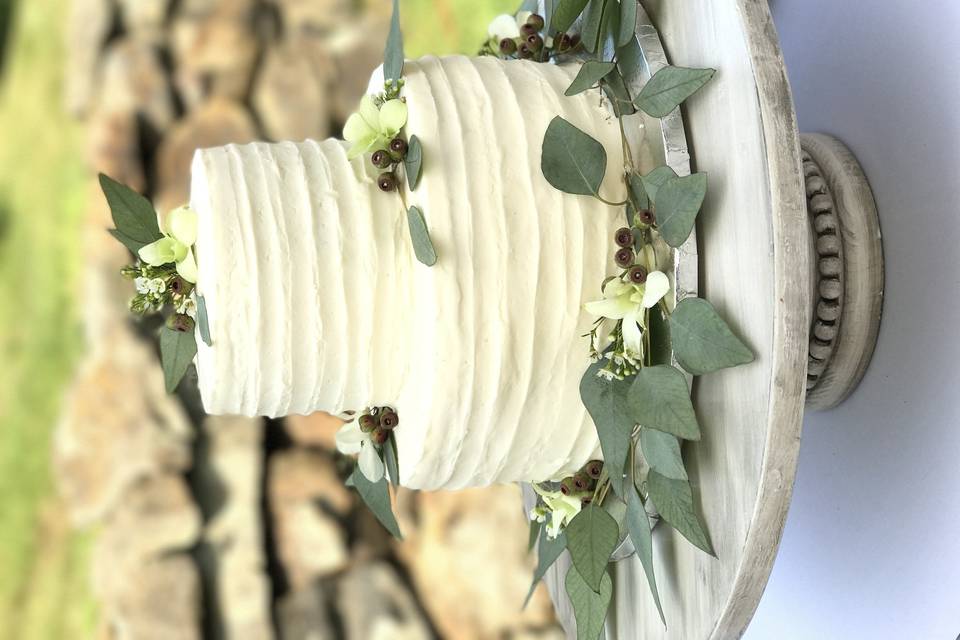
[[626, 256], [378, 422], [533, 45], [158, 287], [389, 159], [583, 483]]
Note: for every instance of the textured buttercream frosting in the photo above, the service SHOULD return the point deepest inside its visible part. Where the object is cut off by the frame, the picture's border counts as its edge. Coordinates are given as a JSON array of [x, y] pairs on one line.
[[316, 301]]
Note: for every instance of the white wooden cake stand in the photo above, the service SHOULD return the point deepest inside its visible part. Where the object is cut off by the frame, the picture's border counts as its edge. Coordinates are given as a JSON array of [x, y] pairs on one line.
[[789, 253]]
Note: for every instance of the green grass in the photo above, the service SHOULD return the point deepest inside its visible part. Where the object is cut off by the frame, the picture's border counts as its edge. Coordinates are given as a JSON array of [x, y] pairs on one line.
[[43, 576]]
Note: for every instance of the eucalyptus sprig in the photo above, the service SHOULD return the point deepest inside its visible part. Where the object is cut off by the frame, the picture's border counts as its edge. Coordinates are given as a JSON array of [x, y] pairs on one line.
[[164, 274], [638, 400]]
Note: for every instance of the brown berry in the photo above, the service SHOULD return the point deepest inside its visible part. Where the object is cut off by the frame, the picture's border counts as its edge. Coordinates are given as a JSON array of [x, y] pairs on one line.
[[623, 237], [380, 435], [398, 147], [574, 40], [387, 181], [637, 275], [381, 159], [367, 423], [508, 46], [581, 481], [567, 486], [624, 257], [389, 419], [536, 21], [586, 500], [528, 30], [179, 286], [646, 217], [593, 468], [181, 322], [524, 52], [564, 40], [535, 42]]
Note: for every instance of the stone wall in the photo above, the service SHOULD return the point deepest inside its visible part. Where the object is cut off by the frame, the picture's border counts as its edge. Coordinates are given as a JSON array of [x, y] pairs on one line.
[[232, 528]]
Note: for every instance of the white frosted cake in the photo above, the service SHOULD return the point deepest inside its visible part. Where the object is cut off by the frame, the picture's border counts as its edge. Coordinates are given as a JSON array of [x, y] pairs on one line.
[[316, 301]]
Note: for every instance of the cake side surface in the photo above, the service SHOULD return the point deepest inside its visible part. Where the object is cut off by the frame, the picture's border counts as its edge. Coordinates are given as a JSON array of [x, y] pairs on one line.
[[316, 301]]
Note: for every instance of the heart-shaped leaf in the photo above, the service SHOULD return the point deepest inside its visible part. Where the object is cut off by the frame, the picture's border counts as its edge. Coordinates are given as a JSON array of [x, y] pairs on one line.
[[420, 236], [591, 72], [571, 160], [607, 402], [702, 341], [567, 13], [674, 501], [393, 55], [133, 216], [177, 350], [656, 179], [638, 525], [669, 87], [547, 553], [589, 605], [376, 495], [661, 450], [413, 162], [591, 537], [659, 399], [678, 203]]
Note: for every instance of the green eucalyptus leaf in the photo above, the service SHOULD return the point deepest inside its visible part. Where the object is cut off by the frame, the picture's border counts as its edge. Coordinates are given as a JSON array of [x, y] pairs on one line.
[[616, 91], [656, 179], [547, 553], [549, 8], [591, 72], [413, 162], [593, 25], [661, 450], [638, 524], [674, 501], [420, 235], [535, 528], [669, 87], [660, 346], [678, 203], [203, 323], [589, 605], [376, 495], [607, 403], [591, 538], [702, 341], [628, 22], [566, 14], [571, 160], [659, 399], [177, 350], [393, 55], [133, 216], [390, 459], [617, 509], [611, 27]]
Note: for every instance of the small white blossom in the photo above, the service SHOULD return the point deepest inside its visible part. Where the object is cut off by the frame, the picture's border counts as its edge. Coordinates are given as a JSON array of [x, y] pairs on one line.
[[188, 306], [562, 509], [352, 440], [141, 284], [156, 286]]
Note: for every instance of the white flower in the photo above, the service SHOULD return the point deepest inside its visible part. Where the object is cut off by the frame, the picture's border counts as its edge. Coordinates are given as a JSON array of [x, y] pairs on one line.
[[179, 235], [188, 306], [351, 440], [506, 26], [156, 286], [627, 301], [562, 508], [141, 284], [372, 128]]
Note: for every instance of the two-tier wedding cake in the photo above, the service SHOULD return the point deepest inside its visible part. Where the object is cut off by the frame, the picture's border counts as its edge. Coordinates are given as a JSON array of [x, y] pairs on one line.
[[316, 302]]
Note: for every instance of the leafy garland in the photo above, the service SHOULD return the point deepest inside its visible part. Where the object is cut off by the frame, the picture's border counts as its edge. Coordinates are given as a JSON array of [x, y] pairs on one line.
[[637, 399]]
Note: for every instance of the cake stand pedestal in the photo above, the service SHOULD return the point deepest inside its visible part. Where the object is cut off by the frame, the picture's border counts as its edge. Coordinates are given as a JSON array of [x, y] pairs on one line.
[[788, 250]]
